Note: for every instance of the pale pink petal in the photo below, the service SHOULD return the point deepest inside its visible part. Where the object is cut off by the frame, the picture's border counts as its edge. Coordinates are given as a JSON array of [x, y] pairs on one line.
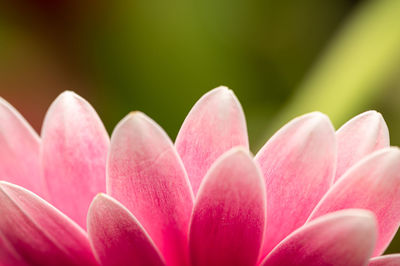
[[215, 124], [229, 215], [36, 233], [74, 152], [19, 152], [298, 165], [373, 184], [387, 260], [117, 237], [146, 175], [359, 137], [344, 238]]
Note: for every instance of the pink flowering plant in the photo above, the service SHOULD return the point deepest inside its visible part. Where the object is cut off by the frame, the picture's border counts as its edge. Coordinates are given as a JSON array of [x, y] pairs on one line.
[[310, 196]]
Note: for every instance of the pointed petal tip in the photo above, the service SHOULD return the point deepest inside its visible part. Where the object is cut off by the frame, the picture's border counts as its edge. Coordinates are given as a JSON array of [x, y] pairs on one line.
[[239, 151], [373, 117], [310, 122], [371, 113], [239, 154], [221, 88], [222, 92], [135, 120], [65, 100], [315, 120], [68, 97], [134, 116], [322, 122], [136, 113], [67, 94], [317, 117], [103, 197], [99, 197]]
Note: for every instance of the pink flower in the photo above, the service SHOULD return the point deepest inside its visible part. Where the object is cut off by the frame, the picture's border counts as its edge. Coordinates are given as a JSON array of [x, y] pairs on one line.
[[310, 196]]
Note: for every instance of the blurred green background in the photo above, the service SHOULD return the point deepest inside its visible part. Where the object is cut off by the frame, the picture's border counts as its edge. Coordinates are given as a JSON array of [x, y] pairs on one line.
[[282, 58]]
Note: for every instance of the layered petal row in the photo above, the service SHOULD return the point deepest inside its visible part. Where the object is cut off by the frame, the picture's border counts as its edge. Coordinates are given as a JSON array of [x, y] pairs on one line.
[[310, 196]]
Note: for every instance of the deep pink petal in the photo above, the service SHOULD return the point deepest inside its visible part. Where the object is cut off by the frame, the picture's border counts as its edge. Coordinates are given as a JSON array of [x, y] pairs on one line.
[[298, 165], [373, 184], [117, 237], [8, 254], [359, 137], [19, 152], [228, 219], [215, 124], [74, 153], [36, 233], [147, 176], [387, 260], [344, 238]]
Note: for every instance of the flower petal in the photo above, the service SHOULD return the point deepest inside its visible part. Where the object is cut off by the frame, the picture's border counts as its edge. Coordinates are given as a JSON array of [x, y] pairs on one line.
[[74, 153], [19, 153], [298, 165], [228, 219], [387, 260], [359, 137], [117, 237], [37, 233], [374, 184], [344, 238], [215, 124], [8, 254], [146, 175]]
